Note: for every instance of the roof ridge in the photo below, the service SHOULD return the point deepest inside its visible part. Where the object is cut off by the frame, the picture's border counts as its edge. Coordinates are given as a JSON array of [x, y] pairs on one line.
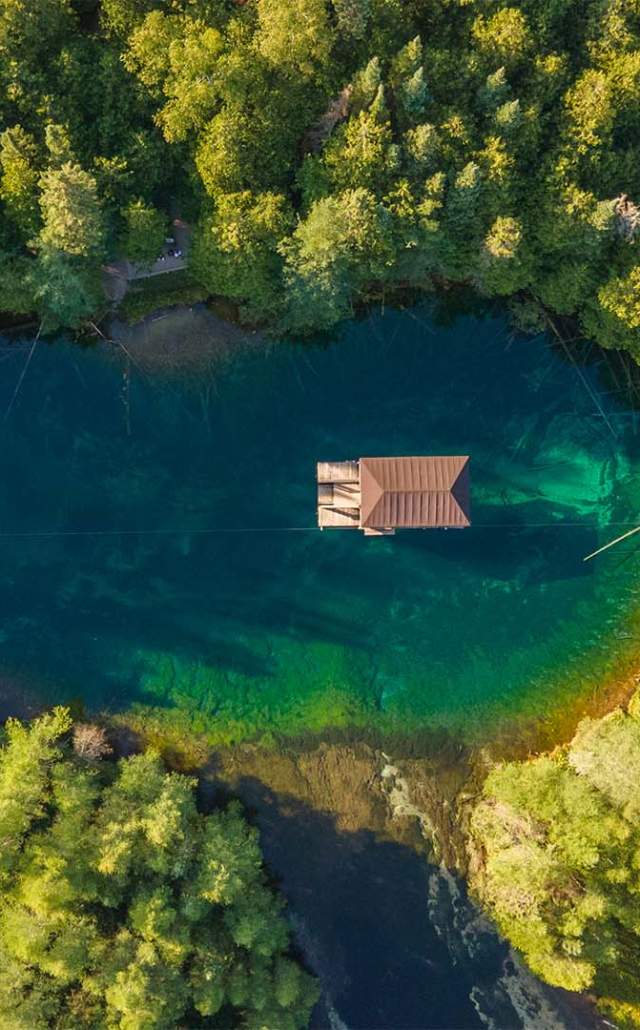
[[414, 490]]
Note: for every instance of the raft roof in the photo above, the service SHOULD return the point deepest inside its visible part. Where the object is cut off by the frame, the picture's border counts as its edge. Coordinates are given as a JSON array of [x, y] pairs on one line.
[[414, 492]]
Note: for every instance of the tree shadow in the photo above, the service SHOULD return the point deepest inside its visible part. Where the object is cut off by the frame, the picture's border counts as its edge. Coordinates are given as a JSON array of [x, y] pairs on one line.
[[390, 952], [359, 907], [519, 546]]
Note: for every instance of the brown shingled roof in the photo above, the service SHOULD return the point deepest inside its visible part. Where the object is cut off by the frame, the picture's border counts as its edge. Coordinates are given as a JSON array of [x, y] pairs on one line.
[[416, 492]]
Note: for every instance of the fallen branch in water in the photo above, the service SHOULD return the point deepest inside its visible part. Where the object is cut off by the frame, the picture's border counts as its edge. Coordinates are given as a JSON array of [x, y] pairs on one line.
[[22, 375], [617, 540]]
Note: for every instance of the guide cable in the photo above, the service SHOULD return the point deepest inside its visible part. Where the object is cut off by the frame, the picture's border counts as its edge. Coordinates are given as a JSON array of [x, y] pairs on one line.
[[213, 530]]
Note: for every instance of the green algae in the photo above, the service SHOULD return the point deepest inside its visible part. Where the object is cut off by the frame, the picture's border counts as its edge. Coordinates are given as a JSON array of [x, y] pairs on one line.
[[238, 635]]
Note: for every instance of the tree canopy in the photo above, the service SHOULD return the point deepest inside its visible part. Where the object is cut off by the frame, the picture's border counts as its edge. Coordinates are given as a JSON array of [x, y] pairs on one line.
[[498, 144], [122, 905], [555, 842]]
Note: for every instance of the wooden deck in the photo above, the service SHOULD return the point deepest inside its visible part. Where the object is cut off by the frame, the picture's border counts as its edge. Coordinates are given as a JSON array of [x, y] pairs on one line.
[[380, 495], [337, 472], [338, 494], [340, 518]]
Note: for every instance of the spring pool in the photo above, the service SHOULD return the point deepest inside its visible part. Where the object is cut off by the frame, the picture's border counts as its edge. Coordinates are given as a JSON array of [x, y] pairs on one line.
[[164, 601]]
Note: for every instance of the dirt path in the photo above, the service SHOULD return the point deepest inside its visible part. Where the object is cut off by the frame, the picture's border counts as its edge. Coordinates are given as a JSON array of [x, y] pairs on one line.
[[117, 275]]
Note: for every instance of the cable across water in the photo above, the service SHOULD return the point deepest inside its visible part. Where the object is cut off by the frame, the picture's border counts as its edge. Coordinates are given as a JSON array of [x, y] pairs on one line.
[[214, 530]]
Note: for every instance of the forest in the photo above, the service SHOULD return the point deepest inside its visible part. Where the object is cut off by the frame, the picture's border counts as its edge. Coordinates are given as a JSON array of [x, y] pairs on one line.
[[555, 845], [122, 905], [326, 152]]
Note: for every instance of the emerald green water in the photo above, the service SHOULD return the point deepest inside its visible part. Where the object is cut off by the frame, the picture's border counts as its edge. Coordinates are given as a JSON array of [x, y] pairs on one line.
[[245, 633]]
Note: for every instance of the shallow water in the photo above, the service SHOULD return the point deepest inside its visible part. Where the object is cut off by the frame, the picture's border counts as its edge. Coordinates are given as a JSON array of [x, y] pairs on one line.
[[273, 630], [396, 943]]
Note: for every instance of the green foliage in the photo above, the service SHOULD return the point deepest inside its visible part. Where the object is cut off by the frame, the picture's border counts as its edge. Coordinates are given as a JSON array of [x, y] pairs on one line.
[[614, 317], [179, 105], [413, 95], [26, 31], [422, 148], [508, 117], [353, 16], [406, 62], [344, 242], [235, 253], [504, 39], [120, 17], [294, 34], [361, 153], [145, 296], [124, 906], [607, 753], [180, 57], [58, 145], [145, 229], [19, 180], [16, 293], [495, 90], [24, 765], [558, 838], [65, 291], [365, 86], [505, 267], [71, 214]]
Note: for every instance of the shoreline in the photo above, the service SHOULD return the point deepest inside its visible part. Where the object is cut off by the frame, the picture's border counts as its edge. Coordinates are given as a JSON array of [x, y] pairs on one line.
[[349, 821], [195, 336], [408, 796]]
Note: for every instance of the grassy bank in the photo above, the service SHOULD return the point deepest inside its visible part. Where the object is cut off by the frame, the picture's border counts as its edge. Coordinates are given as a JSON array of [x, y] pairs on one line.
[[145, 296]]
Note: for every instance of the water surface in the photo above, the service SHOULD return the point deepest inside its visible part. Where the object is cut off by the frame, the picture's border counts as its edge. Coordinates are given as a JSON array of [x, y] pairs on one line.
[[284, 628]]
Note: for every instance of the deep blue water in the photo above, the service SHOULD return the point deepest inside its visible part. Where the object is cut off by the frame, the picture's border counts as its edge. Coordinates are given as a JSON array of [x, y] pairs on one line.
[[158, 549], [190, 610]]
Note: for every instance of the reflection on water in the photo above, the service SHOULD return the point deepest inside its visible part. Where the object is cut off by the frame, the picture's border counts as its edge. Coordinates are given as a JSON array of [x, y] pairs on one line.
[[293, 631]]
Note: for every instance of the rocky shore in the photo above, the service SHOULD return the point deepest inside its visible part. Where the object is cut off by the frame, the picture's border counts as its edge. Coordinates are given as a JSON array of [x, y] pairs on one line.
[[369, 850]]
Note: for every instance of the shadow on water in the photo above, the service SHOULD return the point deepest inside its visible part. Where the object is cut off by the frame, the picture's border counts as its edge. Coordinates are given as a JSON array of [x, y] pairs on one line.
[[360, 905], [107, 616], [509, 546], [394, 943]]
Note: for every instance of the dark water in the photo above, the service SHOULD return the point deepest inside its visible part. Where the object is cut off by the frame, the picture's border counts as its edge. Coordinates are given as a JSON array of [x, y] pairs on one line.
[[251, 632], [246, 633], [396, 943]]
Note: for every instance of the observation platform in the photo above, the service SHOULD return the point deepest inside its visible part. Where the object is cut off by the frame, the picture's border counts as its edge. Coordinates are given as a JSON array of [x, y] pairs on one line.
[[380, 495]]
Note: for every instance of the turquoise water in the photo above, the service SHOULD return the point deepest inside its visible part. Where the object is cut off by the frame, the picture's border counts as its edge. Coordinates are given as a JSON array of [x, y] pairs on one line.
[[244, 633]]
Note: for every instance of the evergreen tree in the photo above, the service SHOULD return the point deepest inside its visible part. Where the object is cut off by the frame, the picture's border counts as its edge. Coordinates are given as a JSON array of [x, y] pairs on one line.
[[123, 906], [344, 241], [235, 253], [366, 84], [71, 213], [413, 95]]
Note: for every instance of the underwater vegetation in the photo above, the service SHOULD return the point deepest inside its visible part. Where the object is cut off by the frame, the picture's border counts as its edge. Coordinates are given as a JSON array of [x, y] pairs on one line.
[[175, 571]]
